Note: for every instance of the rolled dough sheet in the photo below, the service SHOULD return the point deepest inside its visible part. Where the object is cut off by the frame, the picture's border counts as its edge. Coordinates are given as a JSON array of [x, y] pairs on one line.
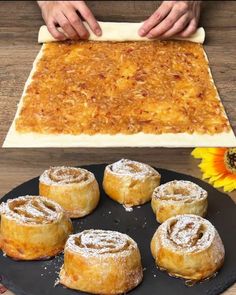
[[118, 32], [17, 139]]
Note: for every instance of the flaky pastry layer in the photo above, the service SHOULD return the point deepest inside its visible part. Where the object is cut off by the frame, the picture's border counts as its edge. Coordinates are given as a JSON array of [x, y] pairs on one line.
[[101, 262], [188, 246], [75, 189], [130, 182], [33, 228]]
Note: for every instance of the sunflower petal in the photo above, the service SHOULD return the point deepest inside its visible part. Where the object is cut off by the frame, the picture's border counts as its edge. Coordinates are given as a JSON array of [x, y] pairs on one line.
[[215, 177], [198, 153], [214, 169]]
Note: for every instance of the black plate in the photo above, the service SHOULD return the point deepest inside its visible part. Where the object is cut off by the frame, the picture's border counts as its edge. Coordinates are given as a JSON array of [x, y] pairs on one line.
[[38, 277]]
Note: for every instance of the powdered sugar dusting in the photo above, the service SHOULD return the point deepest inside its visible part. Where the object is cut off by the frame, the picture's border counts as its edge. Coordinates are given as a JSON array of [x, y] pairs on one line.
[[188, 233], [128, 209], [57, 282], [31, 209], [180, 190], [65, 175], [100, 242], [131, 168]]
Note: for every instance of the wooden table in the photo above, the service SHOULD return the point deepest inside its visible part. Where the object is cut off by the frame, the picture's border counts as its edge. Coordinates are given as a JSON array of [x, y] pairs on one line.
[[19, 24]]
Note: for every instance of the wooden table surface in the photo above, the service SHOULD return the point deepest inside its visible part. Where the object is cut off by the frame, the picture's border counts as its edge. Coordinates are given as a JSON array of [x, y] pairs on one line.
[[19, 24]]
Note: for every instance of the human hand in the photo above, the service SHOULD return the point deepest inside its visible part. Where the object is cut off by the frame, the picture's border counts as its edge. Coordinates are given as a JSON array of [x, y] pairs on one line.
[[64, 14], [172, 18]]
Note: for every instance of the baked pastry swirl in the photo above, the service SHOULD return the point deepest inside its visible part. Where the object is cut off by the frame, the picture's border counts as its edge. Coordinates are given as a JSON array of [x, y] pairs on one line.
[[129, 182], [188, 246], [33, 228], [178, 197], [101, 262], [75, 189]]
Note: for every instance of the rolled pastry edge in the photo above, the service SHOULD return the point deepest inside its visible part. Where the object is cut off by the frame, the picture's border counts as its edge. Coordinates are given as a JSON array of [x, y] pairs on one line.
[[118, 32]]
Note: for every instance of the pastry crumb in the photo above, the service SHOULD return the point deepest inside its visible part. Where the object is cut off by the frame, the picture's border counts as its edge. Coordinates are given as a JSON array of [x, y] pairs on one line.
[[128, 209]]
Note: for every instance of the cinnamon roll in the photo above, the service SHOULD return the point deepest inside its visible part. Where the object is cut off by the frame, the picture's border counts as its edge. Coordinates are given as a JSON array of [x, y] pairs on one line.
[[101, 262], [188, 246], [178, 197], [33, 228], [75, 189], [129, 182]]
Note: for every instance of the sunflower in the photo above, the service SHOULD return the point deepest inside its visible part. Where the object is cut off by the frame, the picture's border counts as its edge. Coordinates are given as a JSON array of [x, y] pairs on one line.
[[218, 166]]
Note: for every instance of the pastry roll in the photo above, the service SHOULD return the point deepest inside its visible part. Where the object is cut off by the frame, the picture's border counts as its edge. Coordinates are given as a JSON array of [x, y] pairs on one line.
[[129, 182], [101, 262], [75, 189], [178, 197], [33, 228], [188, 246]]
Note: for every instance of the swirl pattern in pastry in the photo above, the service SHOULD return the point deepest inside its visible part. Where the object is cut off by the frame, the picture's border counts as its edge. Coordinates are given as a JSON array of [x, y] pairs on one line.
[[130, 182], [178, 197], [188, 246], [91, 260], [75, 189], [33, 228]]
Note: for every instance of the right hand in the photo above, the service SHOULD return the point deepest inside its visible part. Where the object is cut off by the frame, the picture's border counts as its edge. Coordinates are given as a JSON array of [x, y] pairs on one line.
[[172, 18], [64, 14]]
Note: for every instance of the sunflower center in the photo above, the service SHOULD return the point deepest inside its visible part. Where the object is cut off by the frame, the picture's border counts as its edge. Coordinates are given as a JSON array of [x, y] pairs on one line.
[[230, 159]]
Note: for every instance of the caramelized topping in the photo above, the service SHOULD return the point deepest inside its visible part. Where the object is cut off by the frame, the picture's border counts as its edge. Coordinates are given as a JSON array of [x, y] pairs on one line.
[[188, 232], [132, 168], [97, 242], [65, 175], [32, 209], [180, 190], [128, 87]]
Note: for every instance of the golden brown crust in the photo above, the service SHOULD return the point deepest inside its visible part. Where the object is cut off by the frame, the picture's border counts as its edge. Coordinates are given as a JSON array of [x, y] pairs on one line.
[[33, 228], [178, 197], [75, 189], [91, 259], [129, 182], [129, 87], [188, 246]]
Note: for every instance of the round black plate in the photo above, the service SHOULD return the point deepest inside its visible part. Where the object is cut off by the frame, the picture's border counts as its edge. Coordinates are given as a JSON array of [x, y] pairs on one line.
[[38, 277]]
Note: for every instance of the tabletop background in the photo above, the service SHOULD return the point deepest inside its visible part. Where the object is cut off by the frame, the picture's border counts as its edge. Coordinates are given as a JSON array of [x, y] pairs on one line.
[[19, 25]]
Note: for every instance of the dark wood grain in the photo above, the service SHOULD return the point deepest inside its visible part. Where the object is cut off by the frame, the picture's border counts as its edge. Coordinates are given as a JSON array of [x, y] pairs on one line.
[[19, 165], [19, 24]]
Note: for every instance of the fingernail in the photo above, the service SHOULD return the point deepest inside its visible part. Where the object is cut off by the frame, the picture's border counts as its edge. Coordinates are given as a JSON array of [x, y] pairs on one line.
[[149, 36], [84, 36], [98, 32], [141, 32]]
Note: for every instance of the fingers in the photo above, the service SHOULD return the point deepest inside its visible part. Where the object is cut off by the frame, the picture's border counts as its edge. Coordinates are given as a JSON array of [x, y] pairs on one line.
[[172, 18], [191, 28], [178, 27], [66, 26], [88, 17], [54, 32], [167, 23], [76, 23], [64, 14], [155, 19]]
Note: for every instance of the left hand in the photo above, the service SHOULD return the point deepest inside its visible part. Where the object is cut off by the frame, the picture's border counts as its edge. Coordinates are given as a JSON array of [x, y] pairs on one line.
[[172, 18], [64, 14]]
